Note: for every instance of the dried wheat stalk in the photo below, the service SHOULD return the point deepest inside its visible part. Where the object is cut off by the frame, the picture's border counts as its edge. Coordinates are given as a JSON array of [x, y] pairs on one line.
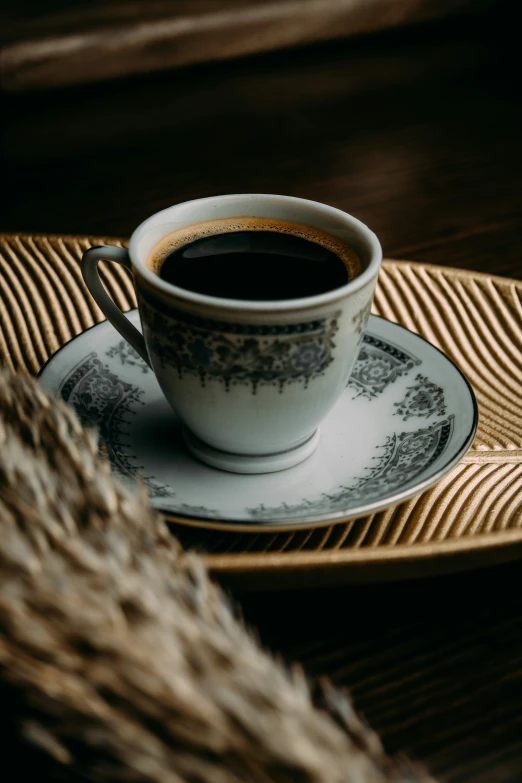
[[119, 659]]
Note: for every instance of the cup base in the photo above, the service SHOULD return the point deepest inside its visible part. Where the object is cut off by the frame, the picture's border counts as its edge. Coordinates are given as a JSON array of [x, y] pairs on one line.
[[246, 463]]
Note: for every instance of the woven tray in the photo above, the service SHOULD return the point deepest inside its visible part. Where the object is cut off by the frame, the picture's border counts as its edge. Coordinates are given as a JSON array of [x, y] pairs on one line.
[[473, 517]]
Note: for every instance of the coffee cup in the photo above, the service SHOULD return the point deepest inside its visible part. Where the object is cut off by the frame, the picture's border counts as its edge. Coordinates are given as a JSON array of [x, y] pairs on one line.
[[251, 380]]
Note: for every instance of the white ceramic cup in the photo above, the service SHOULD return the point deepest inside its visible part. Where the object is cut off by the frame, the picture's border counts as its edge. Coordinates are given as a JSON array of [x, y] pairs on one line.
[[251, 380]]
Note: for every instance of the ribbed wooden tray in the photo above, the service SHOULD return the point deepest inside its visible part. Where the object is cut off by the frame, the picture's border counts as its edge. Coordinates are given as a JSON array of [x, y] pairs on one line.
[[472, 517]]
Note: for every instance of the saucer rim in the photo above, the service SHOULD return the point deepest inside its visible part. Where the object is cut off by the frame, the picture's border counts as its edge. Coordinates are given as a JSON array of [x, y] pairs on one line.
[[332, 518]]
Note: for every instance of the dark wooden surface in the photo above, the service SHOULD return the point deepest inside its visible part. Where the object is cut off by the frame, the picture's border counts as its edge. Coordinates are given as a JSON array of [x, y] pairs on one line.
[[56, 42], [418, 134]]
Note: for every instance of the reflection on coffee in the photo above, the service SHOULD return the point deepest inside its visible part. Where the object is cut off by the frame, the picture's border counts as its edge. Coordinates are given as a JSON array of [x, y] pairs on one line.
[[257, 259]]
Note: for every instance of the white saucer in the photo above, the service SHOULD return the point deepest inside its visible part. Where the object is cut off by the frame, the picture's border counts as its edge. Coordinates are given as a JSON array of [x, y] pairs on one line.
[[406, 418]]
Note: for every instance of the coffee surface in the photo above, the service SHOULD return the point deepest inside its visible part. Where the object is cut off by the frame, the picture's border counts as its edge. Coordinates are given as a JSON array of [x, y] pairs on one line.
[[254, 259]]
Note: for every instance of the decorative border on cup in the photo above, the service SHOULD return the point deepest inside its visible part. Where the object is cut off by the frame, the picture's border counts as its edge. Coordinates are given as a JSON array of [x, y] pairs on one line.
[[237, 353]]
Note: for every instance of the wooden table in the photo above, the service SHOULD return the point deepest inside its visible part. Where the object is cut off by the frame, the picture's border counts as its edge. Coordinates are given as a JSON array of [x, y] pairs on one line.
[[417, 133]]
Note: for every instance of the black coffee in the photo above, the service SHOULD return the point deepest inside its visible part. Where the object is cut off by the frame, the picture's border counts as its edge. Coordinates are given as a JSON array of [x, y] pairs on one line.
[[254, 259]]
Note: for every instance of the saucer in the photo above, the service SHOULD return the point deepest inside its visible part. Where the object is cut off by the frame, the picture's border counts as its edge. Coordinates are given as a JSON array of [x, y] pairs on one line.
[[407, 416]]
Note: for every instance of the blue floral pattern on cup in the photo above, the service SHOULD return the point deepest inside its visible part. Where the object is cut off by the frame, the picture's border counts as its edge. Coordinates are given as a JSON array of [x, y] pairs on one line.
[[246, 354]]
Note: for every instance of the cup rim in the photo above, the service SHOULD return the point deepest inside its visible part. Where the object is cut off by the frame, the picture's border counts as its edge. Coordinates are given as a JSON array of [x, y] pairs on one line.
[[263, 305]]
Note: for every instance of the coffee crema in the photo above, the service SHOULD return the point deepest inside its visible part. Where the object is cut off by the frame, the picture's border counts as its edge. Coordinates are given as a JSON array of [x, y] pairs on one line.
[[252, 258]]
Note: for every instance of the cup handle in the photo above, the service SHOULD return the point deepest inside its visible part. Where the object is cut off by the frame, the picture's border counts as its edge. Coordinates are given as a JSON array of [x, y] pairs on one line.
[[111, 311]]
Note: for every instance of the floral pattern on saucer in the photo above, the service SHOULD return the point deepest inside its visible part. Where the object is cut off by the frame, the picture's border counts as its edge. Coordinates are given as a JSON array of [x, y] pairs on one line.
[[424, 399], [386, 442], [404, 456], [104, 401], [127, 355], [379, 364]]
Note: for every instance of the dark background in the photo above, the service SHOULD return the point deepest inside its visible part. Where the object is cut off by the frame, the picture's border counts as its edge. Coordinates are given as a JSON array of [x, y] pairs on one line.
[[413, 130], [416, 131]]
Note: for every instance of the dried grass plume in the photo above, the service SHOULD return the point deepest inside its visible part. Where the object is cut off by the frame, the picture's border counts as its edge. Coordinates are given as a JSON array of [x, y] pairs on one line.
[[120, 660]]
